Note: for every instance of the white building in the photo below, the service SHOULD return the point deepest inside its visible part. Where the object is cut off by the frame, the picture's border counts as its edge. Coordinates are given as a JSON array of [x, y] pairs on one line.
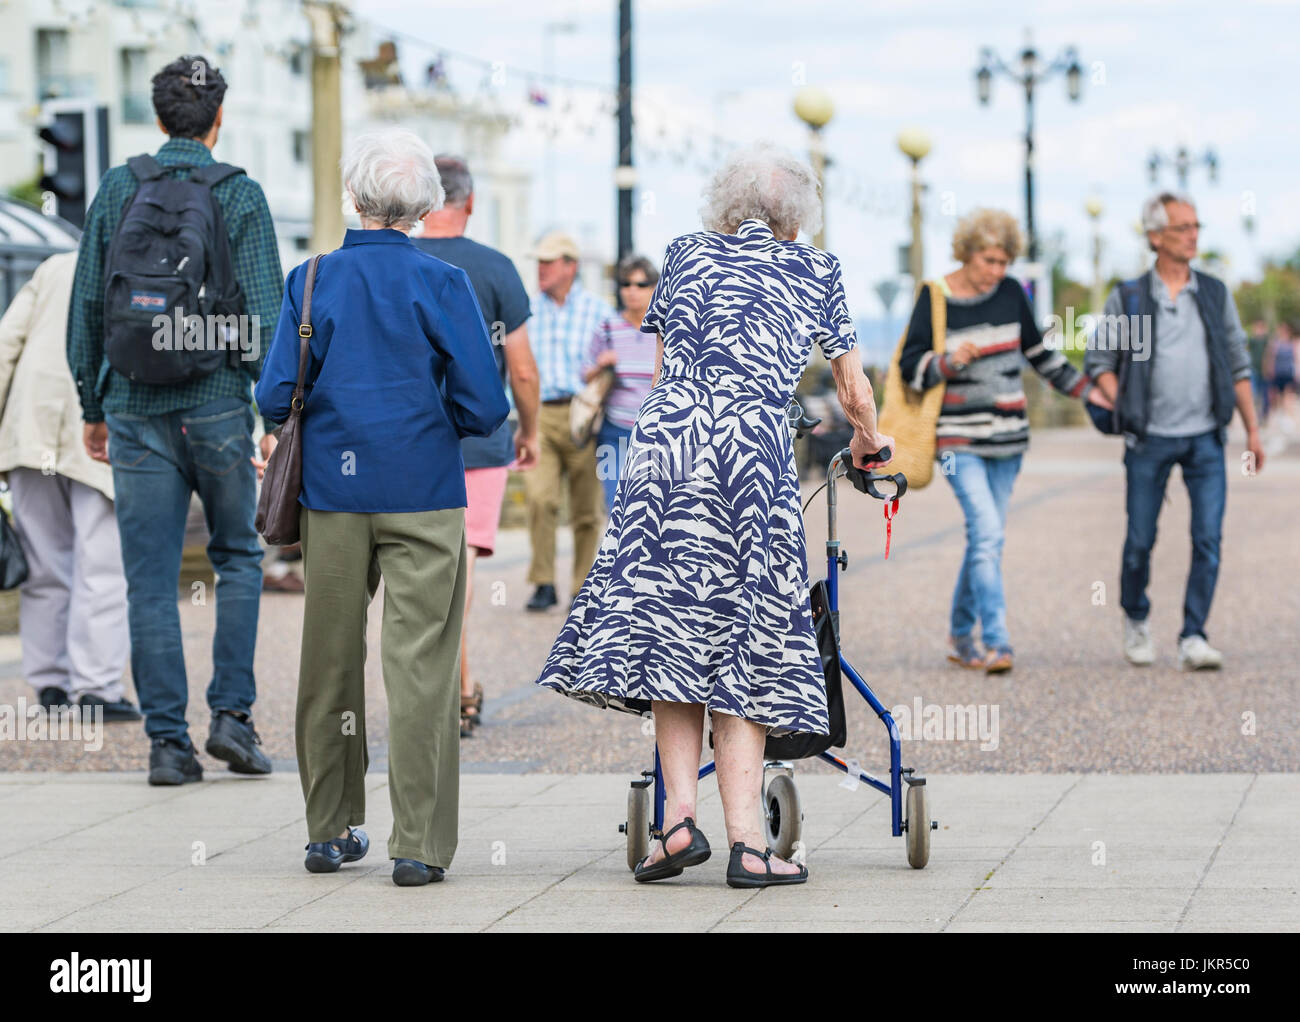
[[109, 51]]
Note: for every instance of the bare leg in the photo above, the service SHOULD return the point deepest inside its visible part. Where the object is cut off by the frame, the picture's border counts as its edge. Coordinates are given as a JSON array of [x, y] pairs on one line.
[[679, 731], [738, 750], [467, 682]]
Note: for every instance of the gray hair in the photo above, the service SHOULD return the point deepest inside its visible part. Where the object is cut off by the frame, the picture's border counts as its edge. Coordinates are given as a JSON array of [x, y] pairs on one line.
[[456, 180], [631, 263], [1154, 215], [392, 178], [763, 182]]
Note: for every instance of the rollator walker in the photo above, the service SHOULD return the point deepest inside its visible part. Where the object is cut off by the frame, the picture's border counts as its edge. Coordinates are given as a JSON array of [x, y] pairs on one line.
[[782, 810]]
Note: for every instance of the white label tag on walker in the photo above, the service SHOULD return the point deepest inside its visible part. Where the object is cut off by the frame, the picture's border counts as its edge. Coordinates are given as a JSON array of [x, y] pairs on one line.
[[851, 777]]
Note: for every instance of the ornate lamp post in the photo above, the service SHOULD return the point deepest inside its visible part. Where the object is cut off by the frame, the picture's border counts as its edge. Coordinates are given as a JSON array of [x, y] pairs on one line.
[[915, 145], [813, 106], [1031, 72]]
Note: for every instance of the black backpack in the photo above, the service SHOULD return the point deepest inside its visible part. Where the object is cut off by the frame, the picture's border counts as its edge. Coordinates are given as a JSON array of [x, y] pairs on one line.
[[1108, 420], [171, 252]]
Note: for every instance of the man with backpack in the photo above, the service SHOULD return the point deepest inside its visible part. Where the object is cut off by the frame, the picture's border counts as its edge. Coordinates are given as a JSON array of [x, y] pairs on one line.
[[178, 280], [1175, 375]]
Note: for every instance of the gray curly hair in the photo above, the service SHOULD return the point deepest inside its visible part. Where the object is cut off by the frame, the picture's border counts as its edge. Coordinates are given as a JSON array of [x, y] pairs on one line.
[[392, 178], [763, 182]]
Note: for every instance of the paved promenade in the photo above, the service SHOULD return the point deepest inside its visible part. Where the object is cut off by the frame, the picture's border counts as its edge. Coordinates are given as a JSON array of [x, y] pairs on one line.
[[1092, 795], [100, 851]]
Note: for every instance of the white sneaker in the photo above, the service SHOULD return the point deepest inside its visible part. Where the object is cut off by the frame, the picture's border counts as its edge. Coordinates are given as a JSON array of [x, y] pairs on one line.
[[1138, 647], [1195, 654]]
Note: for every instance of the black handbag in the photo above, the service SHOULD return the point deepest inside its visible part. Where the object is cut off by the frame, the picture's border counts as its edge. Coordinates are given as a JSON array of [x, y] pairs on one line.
[[803, 745], [13, 562]]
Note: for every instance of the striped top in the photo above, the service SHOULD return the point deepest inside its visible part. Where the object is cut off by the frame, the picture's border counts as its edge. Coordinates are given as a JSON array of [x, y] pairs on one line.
[[984, 404], [560, 335], [633, 372]]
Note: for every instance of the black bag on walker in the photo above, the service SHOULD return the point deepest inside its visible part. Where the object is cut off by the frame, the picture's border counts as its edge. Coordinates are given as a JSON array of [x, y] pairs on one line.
[[802, 745]]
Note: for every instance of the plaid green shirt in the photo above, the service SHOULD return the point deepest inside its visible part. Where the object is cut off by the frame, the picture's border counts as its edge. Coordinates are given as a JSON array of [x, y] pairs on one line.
[[256, 261]]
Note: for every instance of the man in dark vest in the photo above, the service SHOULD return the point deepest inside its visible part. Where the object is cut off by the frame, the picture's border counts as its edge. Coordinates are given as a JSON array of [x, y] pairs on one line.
[[1175, 384], [168, 440]]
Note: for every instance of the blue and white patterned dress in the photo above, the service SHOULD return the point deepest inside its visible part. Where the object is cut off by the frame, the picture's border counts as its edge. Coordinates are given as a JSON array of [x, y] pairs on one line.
[[699, 592]]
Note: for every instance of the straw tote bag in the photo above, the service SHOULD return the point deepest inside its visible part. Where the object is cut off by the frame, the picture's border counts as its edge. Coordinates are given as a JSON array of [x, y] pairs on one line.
[[587, 409], [277, 504], [911, 418]]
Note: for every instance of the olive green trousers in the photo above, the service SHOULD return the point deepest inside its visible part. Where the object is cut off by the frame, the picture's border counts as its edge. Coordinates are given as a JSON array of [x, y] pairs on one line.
[[421, 558]]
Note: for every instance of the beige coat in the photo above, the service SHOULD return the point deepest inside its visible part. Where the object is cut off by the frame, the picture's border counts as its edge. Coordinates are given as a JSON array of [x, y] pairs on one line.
[[40, 421]]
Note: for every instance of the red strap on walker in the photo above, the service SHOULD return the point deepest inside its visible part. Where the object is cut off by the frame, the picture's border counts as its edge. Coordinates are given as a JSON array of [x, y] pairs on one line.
[[891, 509]]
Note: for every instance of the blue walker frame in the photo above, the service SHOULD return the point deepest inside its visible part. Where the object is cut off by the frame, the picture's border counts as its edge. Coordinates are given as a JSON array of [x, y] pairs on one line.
[[835, 559]]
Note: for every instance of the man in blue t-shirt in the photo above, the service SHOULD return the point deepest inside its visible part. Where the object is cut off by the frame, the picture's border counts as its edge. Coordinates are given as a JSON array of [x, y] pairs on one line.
[[505, 306]]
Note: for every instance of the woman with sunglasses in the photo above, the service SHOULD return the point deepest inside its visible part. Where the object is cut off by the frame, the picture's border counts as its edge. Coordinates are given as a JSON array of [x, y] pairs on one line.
[[620, 343]]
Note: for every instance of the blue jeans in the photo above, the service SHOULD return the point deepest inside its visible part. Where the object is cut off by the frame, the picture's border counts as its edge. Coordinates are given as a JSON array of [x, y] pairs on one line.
[[1147, 468], [611, 457], [983, 487], [158, 462]]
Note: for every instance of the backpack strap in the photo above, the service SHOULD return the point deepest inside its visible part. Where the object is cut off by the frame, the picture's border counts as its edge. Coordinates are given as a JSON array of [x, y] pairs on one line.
[[145, 167], [1130, 296], [214, 173]]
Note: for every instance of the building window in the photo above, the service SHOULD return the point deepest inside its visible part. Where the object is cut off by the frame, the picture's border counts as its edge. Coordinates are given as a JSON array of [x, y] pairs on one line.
[[52, 78], [301, 243], [137, 105], [301, 147]]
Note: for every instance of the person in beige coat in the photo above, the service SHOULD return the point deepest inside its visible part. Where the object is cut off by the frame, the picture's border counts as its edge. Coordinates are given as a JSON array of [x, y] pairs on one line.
[[72, 614]]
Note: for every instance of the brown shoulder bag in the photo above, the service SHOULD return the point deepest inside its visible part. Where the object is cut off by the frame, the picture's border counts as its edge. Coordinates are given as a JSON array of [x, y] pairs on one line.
[[277, 506]]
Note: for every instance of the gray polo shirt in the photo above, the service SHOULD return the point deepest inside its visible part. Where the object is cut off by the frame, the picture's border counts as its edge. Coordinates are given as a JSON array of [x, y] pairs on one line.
[[1181, 401]]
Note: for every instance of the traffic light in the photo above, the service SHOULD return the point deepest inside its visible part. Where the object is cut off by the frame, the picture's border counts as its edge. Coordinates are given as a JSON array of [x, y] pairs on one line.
[[75, 133]]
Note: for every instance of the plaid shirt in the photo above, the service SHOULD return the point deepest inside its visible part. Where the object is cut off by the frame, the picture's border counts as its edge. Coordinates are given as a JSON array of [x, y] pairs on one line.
[[256, 259], [561, 334]]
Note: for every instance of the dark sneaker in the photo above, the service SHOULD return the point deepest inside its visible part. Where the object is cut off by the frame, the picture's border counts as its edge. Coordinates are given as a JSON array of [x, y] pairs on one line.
[[52, 697], [120, 709], [409, 873], [543, 598], [328, 856], [233, 739], [173, 762]]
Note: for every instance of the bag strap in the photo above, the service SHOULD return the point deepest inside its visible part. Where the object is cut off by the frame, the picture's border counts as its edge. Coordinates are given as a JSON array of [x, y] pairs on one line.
[[214, 173], [938, 317], [304, 332], [145, 167]]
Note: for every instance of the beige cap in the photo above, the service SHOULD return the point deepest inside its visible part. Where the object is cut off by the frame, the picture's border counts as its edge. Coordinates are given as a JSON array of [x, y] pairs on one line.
[[554, 246]]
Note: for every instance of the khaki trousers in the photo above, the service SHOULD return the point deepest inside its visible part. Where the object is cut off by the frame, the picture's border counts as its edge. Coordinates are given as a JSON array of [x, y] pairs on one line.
[[421, 558], [560, 458]]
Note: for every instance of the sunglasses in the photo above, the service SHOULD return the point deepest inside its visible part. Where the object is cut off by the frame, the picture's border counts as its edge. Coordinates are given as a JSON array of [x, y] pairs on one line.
[[635, 283]]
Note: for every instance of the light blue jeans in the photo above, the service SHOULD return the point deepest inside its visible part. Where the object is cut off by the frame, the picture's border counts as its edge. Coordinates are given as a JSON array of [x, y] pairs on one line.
[[983, 488]]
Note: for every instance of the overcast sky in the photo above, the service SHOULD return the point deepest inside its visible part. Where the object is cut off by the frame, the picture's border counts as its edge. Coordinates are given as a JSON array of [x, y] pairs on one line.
[[1157, 75]]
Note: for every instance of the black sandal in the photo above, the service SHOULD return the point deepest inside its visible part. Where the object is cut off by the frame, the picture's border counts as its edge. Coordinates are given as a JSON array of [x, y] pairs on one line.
[[674, 863], [739, 876]]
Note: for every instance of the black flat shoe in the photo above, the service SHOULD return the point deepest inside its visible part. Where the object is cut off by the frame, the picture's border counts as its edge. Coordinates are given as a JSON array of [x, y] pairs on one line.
[[120, 709], [328, 856], [739, 876], [674, 864], [235, 741], [410, 873], [172, 762], [53, 697], [543, 598]]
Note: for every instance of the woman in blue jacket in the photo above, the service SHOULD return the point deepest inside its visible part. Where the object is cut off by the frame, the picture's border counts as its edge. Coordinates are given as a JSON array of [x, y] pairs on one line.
[[400, 369]]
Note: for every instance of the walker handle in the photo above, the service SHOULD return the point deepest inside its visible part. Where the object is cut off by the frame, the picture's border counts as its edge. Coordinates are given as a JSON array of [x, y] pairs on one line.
[[864, 480]]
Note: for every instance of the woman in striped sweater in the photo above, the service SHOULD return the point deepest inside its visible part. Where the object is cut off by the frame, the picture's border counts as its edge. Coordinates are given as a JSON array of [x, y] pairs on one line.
[[983, 430]]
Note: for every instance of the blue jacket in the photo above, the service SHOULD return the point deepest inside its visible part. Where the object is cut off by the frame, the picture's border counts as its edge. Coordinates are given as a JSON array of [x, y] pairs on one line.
[[401, 369]]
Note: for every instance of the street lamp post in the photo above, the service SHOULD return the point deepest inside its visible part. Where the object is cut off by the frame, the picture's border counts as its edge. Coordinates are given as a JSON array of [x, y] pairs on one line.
[[915, 145], [549, 31], [813, 106], [1031, 73], [1094, 208], [1183, 162]]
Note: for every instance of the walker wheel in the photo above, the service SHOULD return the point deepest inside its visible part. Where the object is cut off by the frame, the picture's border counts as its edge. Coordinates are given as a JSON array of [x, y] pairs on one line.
[[638, 825], [782, 815], [918, 826]]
